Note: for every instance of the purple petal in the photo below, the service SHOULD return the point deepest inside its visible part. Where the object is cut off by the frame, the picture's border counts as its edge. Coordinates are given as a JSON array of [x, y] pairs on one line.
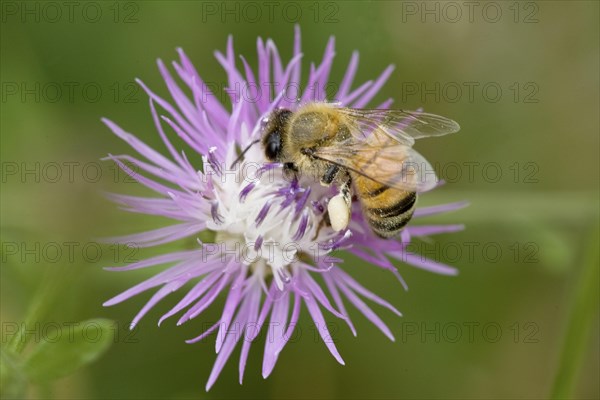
[[214, 212], [434, 229], [182, 101], [246, 191], [141, 147], [263, 74], [164, 138], [301, 226], [241, 319], [348, 77], [295, 77], [300, 205], [170, 109], [293, 321], [216, 108], [149, 183], [367, 312], [158, 296], [424, 211], [198, 147], [190, 269], [205, 301], [419, 261], [198, 290], [204, 334], [158, 236], [253, 297], [332, 286], [156, 260], [364, 100], [263, 212], [318, 294], [321, 326], [348, 99], [258, 243], [348, 280], [275, 333], [233, 299]]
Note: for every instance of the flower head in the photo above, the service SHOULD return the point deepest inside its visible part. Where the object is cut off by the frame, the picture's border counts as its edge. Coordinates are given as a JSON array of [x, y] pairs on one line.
[[270, 239]]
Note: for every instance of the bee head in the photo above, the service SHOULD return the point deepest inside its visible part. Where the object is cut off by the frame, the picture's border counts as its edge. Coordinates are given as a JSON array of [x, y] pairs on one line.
[[273, 134]]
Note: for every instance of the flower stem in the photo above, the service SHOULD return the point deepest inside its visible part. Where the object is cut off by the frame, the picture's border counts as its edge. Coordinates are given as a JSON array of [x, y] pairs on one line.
[[584, 308], [42, 300]]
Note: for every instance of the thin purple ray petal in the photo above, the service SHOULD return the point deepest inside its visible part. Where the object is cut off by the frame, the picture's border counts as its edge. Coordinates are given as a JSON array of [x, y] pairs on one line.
[[317, 316]]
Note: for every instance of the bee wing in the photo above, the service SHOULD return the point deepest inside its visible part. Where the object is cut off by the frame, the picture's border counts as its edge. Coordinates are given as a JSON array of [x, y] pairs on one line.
[[402, 126], [386, 161]]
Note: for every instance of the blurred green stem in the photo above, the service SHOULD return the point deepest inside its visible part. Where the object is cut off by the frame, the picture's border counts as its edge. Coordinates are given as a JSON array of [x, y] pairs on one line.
[[13, 380], [584, 308], [42, 300]]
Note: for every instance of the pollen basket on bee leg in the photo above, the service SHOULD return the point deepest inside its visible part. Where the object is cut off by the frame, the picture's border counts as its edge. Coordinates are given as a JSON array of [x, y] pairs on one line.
[[339, 212]]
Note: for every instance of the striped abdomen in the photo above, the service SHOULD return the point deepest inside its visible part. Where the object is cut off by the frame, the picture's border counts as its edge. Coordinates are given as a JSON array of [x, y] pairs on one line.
[[386, 209]]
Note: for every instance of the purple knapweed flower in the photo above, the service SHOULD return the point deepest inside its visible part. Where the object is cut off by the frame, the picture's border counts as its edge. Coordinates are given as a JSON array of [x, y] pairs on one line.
[[269, 241]]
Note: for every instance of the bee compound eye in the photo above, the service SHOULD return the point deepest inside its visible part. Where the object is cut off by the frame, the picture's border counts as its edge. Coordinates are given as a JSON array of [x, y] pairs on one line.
[[273, 146], [273, 149]]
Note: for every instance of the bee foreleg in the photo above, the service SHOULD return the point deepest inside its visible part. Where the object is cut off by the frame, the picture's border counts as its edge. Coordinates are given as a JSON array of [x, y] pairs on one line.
[[339, 207]]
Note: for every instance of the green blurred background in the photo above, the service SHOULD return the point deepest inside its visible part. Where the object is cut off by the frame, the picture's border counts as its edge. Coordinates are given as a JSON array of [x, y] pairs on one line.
[[541, 134]]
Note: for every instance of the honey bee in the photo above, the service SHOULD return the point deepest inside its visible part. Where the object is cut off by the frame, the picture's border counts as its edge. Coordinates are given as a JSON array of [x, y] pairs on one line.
[[365, 152]]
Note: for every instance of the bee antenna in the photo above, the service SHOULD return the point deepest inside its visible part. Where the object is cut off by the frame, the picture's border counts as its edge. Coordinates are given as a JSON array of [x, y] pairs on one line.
[[244, 152]]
